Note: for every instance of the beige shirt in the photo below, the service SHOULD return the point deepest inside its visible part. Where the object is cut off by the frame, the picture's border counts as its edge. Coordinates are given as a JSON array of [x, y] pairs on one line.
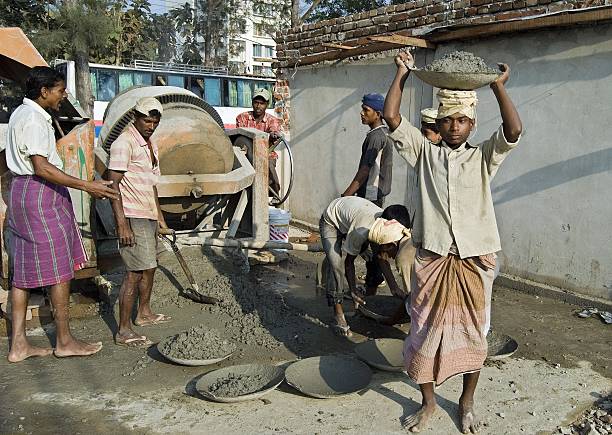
[[30, 133], [352, 216], [455, 194]]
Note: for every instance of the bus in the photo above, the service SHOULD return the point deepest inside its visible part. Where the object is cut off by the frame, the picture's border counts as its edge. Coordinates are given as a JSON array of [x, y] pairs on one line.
[[228, 94]]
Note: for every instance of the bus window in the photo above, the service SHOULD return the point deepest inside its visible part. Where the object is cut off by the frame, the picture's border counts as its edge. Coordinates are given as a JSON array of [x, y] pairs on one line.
[[245, 93], [106, 84], [212, 91], [160, 80], [197, 86], [232, 93], [94, 83], [176, 80], [141, 78], [126, 80]]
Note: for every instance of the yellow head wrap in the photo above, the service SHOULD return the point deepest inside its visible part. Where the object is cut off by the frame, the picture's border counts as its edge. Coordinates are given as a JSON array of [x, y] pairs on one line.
[[387, 231], [452, 102]]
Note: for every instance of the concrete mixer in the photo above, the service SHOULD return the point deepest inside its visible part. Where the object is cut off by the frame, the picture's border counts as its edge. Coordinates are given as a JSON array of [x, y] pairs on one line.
[[212, 180]]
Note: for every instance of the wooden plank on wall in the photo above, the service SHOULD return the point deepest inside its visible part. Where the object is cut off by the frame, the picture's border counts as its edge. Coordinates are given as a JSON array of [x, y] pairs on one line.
[[403, 40]]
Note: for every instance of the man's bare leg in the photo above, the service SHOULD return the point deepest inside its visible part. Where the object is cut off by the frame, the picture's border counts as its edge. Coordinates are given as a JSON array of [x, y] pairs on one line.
[[145, 288], [341, 326], [418, 421], [467, 417], [66, 344], [127, 297], [20, 346]]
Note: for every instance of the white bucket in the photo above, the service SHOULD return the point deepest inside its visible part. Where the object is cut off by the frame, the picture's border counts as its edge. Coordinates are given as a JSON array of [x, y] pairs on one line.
[[279, 224]]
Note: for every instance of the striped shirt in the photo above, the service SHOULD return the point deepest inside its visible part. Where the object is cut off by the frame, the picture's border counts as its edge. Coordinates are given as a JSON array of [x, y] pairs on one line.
[[130, 154], [269, 123]]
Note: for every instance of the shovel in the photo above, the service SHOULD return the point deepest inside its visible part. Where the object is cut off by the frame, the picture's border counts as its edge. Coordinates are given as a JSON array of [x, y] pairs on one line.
[[169, 236]]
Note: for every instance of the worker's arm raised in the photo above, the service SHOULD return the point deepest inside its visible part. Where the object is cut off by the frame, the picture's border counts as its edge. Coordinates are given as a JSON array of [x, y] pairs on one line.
[[393, 99], [512, 124]]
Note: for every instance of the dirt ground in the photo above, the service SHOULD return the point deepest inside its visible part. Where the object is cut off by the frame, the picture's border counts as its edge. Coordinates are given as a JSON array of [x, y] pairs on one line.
[[275, 314]]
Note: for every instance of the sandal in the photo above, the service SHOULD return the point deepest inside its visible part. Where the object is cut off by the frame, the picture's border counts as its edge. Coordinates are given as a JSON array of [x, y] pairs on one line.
[[156, 319], [342, 331], [138, 341]]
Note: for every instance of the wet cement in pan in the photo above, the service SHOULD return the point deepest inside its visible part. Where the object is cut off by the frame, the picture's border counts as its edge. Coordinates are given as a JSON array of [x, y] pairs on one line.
[[460, 62], [238, 384], [198, 343]]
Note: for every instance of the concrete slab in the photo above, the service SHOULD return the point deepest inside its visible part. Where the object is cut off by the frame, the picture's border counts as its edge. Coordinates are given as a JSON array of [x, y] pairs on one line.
[[521, 396]]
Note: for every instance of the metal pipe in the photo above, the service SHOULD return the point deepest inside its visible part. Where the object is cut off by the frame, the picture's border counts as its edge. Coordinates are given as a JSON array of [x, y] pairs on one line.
[[255, 245]]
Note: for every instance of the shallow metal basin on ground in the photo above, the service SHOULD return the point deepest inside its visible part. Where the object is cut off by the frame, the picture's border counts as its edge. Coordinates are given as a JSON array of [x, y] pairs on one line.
[[379, 307], [500, 346], [189, 362], [382, 353], [262, 377], [456, 81], [329, 376]]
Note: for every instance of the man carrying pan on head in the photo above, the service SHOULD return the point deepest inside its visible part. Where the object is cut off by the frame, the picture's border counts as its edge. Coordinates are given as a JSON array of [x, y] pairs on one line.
[[428, 125], [456, 237]]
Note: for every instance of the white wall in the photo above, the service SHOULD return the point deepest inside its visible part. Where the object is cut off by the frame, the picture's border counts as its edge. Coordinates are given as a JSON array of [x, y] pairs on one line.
[[553, 195]]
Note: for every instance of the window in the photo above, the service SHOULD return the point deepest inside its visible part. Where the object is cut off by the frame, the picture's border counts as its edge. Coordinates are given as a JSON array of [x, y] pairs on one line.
[[260, 29], [126, 80], [197, 86], [106, 84], [212, 91], [232, 93], [160, 80], [176, 80], [263, 51], [245, 93], [141, 78]]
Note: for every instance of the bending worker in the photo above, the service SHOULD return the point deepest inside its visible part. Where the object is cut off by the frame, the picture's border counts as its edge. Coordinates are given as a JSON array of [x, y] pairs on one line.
[[344, 227], [456, 237]]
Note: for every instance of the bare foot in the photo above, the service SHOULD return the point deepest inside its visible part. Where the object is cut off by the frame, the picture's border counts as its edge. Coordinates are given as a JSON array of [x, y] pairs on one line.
[[418, 421], [469, 421], [77, 348], [19, 352]]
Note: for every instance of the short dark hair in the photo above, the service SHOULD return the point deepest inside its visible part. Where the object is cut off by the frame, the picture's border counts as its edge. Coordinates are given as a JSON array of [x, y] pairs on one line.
[[41, 77], [399, 213]]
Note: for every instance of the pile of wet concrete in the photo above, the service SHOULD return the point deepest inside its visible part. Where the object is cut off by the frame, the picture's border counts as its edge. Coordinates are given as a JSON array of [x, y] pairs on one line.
[[460, 62], [197, 343], [237, 384]]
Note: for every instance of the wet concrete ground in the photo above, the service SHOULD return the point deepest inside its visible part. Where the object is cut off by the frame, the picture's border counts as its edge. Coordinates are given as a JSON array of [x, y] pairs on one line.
[[562, 366]]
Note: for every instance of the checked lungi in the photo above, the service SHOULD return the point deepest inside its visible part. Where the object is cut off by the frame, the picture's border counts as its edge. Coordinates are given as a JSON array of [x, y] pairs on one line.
[[46, 244], [450, 316]]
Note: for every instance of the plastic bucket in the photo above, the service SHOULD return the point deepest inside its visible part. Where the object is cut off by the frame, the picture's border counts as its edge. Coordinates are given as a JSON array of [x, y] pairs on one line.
[[279, 224]]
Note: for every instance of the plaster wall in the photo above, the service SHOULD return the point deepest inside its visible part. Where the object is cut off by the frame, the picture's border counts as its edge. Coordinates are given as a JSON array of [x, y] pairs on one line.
[[552, 194]]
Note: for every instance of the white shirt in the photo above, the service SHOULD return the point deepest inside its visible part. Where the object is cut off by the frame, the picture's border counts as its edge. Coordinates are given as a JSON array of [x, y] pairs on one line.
[[455, 195], [30, 132], [352, 216]]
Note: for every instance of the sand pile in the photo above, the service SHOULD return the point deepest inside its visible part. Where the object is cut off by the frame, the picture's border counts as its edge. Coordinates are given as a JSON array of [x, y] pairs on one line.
[[234, 384], [460, 62], [198, 343]]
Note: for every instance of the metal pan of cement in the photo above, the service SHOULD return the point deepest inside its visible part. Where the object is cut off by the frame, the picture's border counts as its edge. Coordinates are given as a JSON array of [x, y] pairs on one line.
[[325, 377], [188, 362], [379, 307], [382, 353], [500, 346], [456, 81], [240, 383]]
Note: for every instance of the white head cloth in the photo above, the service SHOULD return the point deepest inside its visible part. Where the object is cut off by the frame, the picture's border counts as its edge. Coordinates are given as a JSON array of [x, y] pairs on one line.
[[428, 116], [452, 102], [387, 231]]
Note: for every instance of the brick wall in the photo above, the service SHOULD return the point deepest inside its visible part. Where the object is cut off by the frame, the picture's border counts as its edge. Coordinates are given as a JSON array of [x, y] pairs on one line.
[[413, 16]]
